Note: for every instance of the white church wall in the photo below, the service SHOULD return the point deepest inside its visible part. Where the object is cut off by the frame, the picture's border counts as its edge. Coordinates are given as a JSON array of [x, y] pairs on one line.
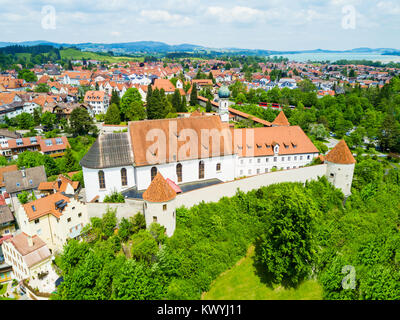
[[190, 171], [228, 189], [112, 178]]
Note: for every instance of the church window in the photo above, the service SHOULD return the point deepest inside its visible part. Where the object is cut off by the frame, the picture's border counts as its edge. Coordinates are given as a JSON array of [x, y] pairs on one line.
[[201, 170], [153, 173], [179, 172], [102, 181], [124, 177]]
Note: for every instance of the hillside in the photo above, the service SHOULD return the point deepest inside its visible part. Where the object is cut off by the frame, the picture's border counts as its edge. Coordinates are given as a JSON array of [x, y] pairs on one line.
[[71, 54]]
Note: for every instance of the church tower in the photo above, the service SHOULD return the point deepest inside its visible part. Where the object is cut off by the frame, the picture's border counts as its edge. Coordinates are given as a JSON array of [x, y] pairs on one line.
[[159, 204], [223, 110], [340, 167]]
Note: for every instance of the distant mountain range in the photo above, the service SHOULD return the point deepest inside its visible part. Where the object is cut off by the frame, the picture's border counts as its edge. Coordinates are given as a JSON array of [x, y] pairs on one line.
[[160, 47]]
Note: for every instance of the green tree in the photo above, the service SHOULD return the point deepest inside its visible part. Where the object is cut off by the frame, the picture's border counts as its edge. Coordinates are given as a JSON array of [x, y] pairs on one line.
[[286, 248], [27, 75], [115, 99], [138, 222], [125, 229], [109, 222], [24, 120], [389, 134], [112, 115], [144, 246], [81, 123], [114, 197], [176, 101], [30, 159], [71, 164], [36, 116], [240, 98], [136, 111], [136, 282], [50, 166], [193, 95], [131, 106], [155, 107], [42, 87], [208, 106], [48, 120]]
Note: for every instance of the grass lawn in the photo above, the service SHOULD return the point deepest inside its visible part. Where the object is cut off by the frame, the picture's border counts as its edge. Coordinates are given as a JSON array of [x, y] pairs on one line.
[[242, 283]]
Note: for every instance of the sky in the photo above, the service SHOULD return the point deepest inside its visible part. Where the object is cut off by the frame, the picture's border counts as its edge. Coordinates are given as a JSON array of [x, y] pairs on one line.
[[250, 24]]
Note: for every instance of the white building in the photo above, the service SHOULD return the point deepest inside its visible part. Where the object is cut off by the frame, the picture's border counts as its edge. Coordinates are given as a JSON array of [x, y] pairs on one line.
[[98, 100], [54, 218], [29, 256]]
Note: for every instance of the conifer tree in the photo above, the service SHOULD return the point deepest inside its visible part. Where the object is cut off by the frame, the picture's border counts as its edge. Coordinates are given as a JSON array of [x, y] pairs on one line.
[[115, 98], [193, 95], [183, 105], [208, 106], [155, 108], [176, 101], [70, 162], [112, 115]]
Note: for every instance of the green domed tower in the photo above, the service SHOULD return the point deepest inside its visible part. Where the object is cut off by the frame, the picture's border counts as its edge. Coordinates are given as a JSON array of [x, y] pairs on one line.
[[224, 94]]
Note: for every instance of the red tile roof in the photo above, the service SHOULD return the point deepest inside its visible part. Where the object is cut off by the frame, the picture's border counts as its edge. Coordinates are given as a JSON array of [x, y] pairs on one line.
[[281, 120], [44, 206], [340, 154], [159, 190]]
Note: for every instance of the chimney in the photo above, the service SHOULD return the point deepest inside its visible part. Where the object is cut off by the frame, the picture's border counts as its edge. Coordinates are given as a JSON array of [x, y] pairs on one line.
[[59, 183], [30, 241], [23, 172]]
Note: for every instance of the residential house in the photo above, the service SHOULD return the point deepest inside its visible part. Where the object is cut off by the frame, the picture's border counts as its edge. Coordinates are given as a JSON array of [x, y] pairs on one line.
[[29, 257], [62, 184], [23, 180], [55, 218], [98, 100]]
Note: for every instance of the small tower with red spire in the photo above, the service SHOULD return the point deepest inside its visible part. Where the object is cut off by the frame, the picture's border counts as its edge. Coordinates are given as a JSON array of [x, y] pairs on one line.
[[159, 204], [340, 167]]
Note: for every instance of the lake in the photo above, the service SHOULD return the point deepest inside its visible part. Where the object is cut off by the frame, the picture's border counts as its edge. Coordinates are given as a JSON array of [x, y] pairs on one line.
[[304, 57]]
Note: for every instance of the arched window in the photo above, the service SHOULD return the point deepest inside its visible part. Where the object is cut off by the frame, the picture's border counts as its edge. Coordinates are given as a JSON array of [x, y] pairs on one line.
[[201, 170], [153, 173], [179, 172], [124, 177], [102, 181]]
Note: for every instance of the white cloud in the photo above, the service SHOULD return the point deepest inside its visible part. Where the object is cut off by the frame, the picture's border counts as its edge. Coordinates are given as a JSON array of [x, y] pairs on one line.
[[115, 33], [388, 7], [236, 14], [163, 16]]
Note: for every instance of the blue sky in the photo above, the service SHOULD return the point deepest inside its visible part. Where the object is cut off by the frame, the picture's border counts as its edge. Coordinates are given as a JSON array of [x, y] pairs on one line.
[[268, 24]]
